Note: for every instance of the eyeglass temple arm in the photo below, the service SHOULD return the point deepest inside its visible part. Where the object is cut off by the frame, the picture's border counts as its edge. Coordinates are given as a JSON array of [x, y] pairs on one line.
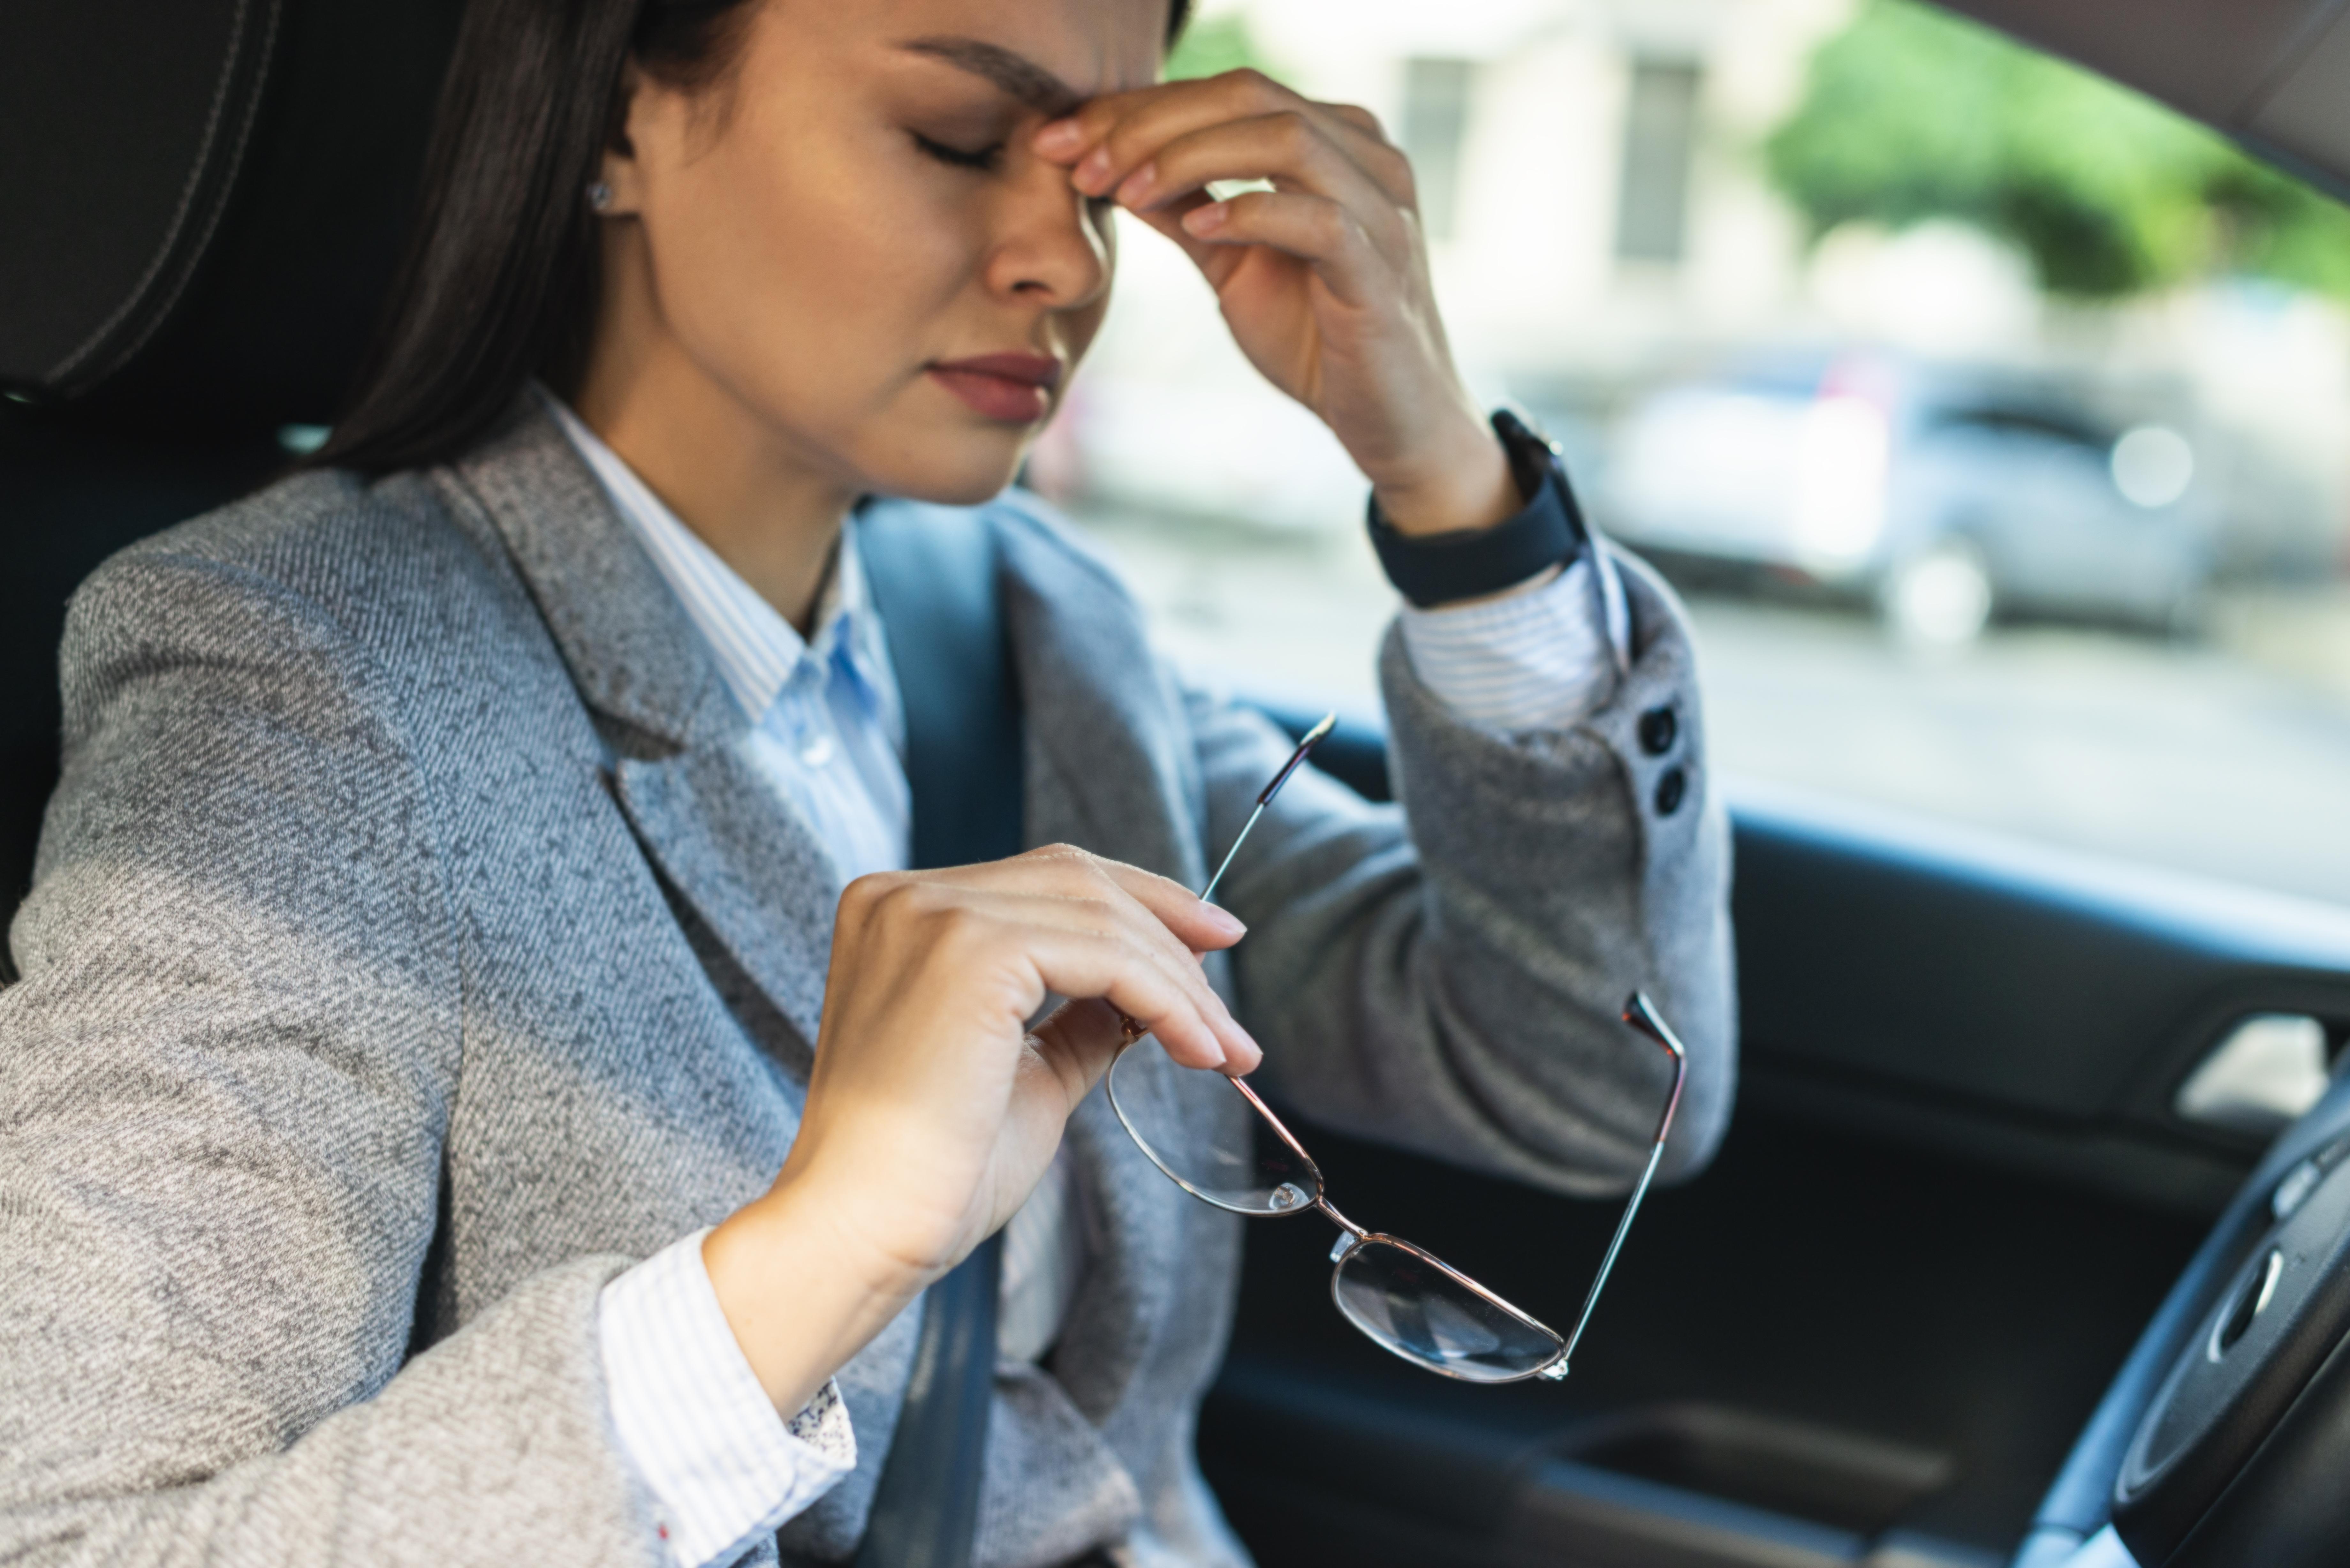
[[1264, 797], [1642, 1015]]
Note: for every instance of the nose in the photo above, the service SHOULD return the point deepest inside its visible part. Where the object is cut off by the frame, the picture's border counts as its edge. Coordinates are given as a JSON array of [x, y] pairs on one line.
[[1050, 247]]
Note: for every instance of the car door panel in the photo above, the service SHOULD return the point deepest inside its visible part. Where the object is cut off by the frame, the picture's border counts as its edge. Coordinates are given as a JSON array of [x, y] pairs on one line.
[[2033, 1008]]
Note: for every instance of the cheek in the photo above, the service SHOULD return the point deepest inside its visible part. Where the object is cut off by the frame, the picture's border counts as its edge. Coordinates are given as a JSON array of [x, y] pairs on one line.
[[796, 274], [1079, 327]]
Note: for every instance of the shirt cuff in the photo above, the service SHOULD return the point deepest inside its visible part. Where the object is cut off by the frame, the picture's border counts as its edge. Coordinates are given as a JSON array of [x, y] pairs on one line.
[[722, 1465], [1534, 659]]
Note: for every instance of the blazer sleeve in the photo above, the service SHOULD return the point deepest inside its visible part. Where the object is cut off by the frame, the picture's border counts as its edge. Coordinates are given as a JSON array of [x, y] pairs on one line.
[[226, 1079], [1447, 976]]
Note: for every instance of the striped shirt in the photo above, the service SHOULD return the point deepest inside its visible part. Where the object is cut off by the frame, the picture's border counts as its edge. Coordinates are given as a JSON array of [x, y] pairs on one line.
[[692, 1418], [1534, 659]]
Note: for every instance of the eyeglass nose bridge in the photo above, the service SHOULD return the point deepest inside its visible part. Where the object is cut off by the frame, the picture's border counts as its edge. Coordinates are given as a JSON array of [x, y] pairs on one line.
[[1351, 1235]]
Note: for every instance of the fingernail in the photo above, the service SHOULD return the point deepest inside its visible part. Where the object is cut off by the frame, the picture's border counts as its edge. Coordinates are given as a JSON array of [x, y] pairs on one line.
[[1137, 189], [1058, 137], [1226, 921], [1207, 220], [1093, 174], [1247, 1060]]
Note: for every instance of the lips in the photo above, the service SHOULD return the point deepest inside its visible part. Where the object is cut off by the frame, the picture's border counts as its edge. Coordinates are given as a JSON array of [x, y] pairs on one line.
[[1015, 389]]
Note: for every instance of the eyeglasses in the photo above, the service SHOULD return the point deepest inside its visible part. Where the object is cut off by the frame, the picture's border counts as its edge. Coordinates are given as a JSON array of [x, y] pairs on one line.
[[1408, 1300]]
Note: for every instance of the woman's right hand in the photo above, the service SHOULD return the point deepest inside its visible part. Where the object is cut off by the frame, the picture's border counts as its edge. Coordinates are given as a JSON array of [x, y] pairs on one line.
[[932, 1110]]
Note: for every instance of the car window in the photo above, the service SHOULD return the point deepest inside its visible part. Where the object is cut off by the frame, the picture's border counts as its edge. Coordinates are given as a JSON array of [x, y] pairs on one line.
[[1992, 419]]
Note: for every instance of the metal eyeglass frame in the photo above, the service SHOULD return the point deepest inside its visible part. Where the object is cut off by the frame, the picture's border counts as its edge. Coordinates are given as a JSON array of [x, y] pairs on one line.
[[1639, 1012]]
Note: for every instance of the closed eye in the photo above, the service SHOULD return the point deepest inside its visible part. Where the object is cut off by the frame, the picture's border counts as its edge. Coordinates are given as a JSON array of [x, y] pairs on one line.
[[982, 158]]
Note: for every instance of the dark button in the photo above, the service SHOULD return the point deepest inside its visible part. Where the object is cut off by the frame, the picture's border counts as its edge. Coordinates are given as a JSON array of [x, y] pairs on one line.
[[1670, 791], [1659, 728]]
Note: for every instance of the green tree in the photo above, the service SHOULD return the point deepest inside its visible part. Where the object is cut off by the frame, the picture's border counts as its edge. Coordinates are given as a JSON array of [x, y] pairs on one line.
[[1912, 114], [1213, 44]]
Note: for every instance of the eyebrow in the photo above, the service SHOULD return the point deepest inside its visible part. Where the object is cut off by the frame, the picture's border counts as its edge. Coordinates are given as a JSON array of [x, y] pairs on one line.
[[1017, 75]]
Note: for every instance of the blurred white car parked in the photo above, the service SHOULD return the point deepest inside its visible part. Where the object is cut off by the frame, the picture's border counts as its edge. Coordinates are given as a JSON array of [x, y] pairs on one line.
[[1943, 493]]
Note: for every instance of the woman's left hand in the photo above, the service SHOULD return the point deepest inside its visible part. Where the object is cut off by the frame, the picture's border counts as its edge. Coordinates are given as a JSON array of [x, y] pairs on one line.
[[1323, 279]]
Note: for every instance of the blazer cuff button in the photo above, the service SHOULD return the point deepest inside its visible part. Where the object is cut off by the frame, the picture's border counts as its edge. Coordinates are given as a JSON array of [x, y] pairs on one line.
[[1659, 728], [1670, 791]]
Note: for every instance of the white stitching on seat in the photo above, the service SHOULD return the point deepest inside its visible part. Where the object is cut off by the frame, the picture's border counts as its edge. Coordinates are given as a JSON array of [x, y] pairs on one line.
[[172, 233]]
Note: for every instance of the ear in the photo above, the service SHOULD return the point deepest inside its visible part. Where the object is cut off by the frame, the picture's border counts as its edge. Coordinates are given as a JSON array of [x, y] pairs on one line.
[[621, 171]]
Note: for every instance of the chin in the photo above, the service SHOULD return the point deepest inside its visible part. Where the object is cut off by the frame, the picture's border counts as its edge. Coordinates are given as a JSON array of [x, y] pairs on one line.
[[956, 472]]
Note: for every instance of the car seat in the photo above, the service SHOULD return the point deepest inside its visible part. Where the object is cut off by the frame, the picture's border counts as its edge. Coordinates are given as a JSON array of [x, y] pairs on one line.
[[204, 201]]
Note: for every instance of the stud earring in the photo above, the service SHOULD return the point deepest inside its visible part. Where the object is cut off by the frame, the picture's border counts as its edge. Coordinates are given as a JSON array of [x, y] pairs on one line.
[[600, 195]]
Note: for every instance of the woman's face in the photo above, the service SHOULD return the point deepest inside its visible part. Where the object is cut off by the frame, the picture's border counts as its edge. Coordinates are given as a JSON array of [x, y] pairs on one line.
[[850, 240]]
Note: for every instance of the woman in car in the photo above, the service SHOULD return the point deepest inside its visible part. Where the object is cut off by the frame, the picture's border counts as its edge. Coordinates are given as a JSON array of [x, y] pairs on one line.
[[485, 1085]]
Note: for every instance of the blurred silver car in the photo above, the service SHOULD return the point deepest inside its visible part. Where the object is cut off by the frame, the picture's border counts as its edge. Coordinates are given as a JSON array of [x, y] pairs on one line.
[[1943, 493]]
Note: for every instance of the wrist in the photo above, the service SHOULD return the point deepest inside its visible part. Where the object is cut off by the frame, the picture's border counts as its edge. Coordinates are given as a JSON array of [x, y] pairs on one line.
[[1468, 486], [1536, 541], [801, 1294]]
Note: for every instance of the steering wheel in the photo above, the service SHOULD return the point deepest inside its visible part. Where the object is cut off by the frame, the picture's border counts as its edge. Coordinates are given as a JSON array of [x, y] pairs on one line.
[[2225, 1438]]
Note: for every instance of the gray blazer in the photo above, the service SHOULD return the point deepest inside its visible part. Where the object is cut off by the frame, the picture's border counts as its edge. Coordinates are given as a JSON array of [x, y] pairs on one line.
[[414, 948]]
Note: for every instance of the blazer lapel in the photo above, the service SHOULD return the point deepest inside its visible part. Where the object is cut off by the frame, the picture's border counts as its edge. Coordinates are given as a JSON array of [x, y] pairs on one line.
[[749, 868], [1108, 761], [745, 862]]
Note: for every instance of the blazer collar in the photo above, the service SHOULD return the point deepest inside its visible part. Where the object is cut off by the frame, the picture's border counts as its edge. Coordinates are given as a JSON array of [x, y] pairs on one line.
[[745, 862], [632, 648], [1102, 724]]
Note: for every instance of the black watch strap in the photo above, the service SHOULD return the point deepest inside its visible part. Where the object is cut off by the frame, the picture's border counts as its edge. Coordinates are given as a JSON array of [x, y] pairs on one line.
[[1434, 569]]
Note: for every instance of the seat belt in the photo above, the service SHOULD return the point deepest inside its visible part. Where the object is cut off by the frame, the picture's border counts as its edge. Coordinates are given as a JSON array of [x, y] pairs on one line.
[[932, 572]]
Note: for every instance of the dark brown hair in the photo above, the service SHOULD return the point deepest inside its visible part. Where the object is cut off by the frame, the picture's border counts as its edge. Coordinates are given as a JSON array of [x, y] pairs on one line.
[[500, 276]]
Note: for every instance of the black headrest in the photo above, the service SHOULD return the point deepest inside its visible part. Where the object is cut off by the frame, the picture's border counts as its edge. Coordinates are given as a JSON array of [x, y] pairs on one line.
[[204, 201]]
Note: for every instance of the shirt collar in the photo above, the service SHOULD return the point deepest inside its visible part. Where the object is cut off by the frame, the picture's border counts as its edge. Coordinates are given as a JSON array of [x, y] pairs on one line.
[[756, 649]]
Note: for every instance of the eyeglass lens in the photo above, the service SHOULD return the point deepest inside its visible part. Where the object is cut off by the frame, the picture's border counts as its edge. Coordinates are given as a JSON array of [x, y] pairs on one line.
[[1423, 1312], [1406, 1301], [1218, 1157]]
